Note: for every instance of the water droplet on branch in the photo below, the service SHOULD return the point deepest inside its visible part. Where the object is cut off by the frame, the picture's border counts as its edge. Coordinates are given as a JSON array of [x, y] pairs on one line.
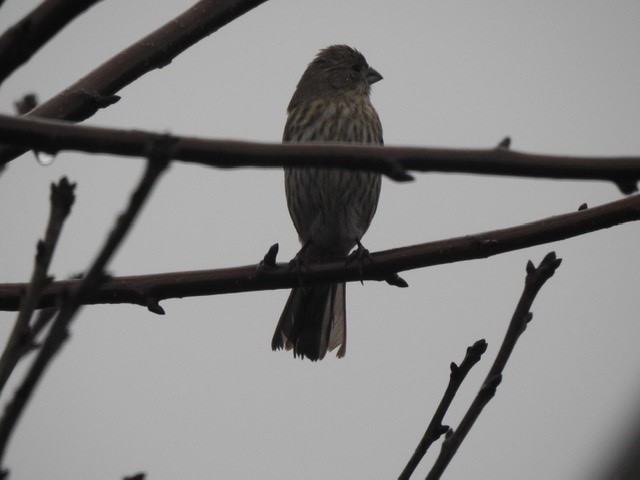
[[44, 158]]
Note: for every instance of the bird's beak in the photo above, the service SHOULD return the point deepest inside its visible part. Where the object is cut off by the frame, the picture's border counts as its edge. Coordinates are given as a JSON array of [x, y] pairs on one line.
[[373, 76]]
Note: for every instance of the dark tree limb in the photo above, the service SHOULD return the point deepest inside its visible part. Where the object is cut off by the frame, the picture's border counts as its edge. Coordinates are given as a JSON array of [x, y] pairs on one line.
[[75, 298], [55, 136], [97, 89], [536, 278], [141, 289], [21, 337], [436, 428], [23, 39]]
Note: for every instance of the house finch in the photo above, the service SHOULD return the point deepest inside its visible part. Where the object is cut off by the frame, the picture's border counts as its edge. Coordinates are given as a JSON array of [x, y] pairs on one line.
[[331, 209]]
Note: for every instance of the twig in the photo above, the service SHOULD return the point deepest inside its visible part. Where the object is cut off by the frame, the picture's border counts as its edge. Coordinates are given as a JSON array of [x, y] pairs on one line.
[[97, 89], [23, 39], [137, 476], [77, 297], [62, 198], [54, 136], [138, 289], [436, 428], [536, 278]]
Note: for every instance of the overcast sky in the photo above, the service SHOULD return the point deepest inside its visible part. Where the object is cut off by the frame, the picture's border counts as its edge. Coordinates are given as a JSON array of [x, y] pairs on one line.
[[198, 393]]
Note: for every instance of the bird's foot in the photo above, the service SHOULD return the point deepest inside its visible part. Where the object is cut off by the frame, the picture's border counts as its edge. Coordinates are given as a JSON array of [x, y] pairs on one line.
[[360, 255], [299, 262]]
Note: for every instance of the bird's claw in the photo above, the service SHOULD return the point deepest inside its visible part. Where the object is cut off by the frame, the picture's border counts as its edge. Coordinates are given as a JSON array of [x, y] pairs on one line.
[[299, 262], [360, 255]]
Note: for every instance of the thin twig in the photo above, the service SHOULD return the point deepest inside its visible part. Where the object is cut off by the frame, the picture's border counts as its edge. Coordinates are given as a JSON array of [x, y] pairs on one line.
[[536, 278], [54, 136], [98, 88], [58, 332], [25, 38], [436, 428], [21, 338], [140, 288]]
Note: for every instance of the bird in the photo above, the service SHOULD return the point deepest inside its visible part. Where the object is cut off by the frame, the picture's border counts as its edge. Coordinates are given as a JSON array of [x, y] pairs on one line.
[[331, 209]]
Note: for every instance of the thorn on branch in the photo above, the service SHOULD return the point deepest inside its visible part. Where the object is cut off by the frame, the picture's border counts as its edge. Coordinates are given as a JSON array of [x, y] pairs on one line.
[[163, 62], [584, 206], [269, 260], [396, 280], [627, 185], [153, 305], [397, 172], [505, 143], [98, 100], [27, 103], [136, 476]]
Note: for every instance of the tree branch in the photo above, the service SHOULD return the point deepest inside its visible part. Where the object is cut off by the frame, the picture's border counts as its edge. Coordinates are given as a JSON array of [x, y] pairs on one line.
[[21, 338], [77, 297], [23, 39], [436, 428], [536, 278], [148, 290], [96, 90], [54, 136]]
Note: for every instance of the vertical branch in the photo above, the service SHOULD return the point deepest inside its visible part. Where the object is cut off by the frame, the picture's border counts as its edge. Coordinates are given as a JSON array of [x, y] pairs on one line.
[[436, 428], [536, 278], [157, 163], [62, 198]]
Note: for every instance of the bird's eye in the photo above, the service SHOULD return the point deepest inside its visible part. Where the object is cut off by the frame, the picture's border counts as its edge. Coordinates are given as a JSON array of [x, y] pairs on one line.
[[356, 68]]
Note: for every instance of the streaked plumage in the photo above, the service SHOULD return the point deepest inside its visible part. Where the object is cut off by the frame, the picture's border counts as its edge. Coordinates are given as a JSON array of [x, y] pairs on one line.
[[331, 209]]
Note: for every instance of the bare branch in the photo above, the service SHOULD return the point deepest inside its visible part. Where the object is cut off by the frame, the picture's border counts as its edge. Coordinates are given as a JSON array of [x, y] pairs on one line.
[[97, 89], [20, 340], [139, 289], [23, 39], [54, 136], [536, 278], [77, 297], [436, 428]]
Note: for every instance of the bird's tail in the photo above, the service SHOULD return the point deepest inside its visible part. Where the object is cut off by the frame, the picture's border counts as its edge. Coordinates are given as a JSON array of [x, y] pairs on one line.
[[313, 322]]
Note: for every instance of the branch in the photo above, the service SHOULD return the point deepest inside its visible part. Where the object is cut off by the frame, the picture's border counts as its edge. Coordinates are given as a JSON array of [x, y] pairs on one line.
[[96, 90], [21, 338], [23, 39], [436, 428], [54, 136], [536, 278], [148, 290], [77, 297]]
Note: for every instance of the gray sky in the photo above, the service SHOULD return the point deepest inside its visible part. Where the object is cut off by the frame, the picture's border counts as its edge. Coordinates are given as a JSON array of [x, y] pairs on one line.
[[198, 392]]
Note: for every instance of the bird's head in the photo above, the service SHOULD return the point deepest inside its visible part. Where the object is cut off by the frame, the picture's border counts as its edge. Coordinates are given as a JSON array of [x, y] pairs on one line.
[[336, 70]]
